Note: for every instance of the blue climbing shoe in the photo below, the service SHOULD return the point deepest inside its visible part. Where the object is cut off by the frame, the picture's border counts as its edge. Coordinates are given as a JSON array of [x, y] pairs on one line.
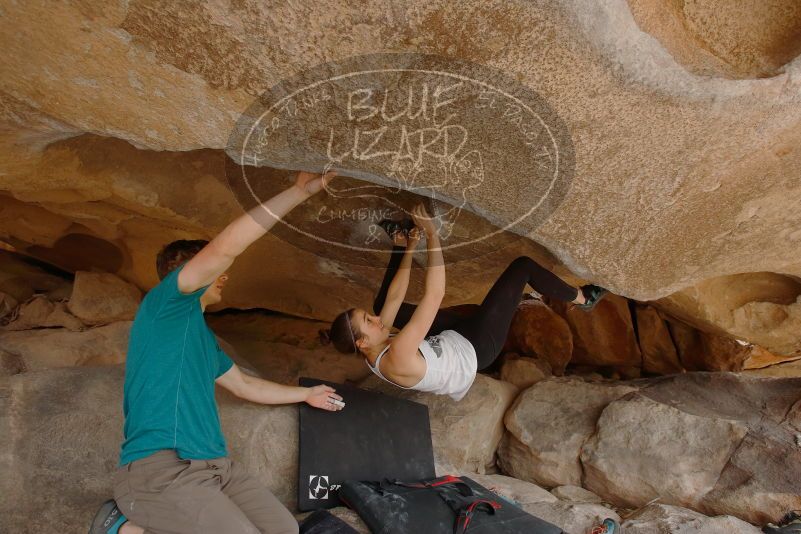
[[609, 526], [592, 296], [108, 519]]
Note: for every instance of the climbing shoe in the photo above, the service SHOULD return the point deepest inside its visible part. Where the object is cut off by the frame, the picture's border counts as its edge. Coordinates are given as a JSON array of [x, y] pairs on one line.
[[592, 296], [609, 526], [108, 519], [790, 524]]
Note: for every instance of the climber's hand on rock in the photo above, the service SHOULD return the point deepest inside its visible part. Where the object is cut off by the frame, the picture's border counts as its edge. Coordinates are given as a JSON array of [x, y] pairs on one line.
[[311, 183], [423, 220], [414, 237], [323, 397]]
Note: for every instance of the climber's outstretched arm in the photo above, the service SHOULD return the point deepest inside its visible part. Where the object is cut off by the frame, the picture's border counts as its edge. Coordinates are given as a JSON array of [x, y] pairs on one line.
[[219, 254]]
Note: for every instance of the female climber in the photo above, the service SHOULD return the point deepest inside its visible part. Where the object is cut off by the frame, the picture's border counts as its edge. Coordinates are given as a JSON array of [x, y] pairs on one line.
[[439, 351]]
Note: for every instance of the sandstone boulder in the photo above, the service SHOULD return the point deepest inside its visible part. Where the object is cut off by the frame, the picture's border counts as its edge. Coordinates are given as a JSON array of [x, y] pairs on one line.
[[40, 312], [548, 425], [537, 331], [524, 372], [720, 443], [659, 355], [762, 308], [603, 337], [11, 364], [7, 304], [664, 518], [59, 347], [644, 450], [517, 491], [573, 518], [102, 298], [61, 448], [465, 434], [576, 494]]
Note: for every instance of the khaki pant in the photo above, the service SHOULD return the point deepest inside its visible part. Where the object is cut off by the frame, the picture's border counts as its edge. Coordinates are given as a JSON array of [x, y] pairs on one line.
[[164, 494]]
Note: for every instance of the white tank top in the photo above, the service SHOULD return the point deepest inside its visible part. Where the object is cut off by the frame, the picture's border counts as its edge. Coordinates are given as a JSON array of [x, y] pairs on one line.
[[451, 365]]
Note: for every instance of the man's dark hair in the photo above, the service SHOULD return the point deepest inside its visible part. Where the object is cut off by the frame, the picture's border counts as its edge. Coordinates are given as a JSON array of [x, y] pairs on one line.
[[176, 253]]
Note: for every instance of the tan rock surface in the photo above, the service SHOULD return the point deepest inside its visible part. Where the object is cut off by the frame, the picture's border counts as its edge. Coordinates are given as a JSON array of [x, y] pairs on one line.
[[517, 491], [40, 312], [524, 372], [43, 421], [538, 331], [59, 347], [572, 518], [640, 441], [663, 518], [575, 494], [718, 442], [603, 337], [659, 355], [680, 177], [762, 308], [547, 426], [102, 298]]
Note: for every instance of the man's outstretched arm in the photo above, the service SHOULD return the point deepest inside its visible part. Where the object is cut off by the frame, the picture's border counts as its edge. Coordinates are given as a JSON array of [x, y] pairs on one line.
[[221, 251], [263, 391]]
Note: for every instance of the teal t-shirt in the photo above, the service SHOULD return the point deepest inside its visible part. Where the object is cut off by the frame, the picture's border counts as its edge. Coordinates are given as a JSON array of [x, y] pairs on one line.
[[172, 363]]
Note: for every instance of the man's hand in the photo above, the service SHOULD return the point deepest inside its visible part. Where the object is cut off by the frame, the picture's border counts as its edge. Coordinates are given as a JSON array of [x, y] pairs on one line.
[[321, 397], [311, 183]]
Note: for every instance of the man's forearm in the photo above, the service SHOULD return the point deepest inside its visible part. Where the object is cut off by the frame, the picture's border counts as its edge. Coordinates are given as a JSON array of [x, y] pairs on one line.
[[247, 228], [265, 392]]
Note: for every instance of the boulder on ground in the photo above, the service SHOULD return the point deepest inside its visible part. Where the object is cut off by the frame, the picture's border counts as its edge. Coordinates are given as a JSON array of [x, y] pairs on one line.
[[59, 347], [102, 298], [576, 494], [540, 332], [524, 372], [547, 426], [7, 304], [643, 450], [40, 312], [572, 518], [518, 491], [721, 443], [465, 434], [663, 518], [61, 430]]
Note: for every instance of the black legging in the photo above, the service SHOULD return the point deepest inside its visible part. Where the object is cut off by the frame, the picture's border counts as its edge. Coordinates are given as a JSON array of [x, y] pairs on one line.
[[487, 326]]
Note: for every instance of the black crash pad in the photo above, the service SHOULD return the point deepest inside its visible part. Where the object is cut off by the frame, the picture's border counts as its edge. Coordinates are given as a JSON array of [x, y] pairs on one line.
[[375, 436]]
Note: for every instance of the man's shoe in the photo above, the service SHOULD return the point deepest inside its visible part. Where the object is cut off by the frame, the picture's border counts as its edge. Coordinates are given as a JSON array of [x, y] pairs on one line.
[[592, 296], [108, 519]]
